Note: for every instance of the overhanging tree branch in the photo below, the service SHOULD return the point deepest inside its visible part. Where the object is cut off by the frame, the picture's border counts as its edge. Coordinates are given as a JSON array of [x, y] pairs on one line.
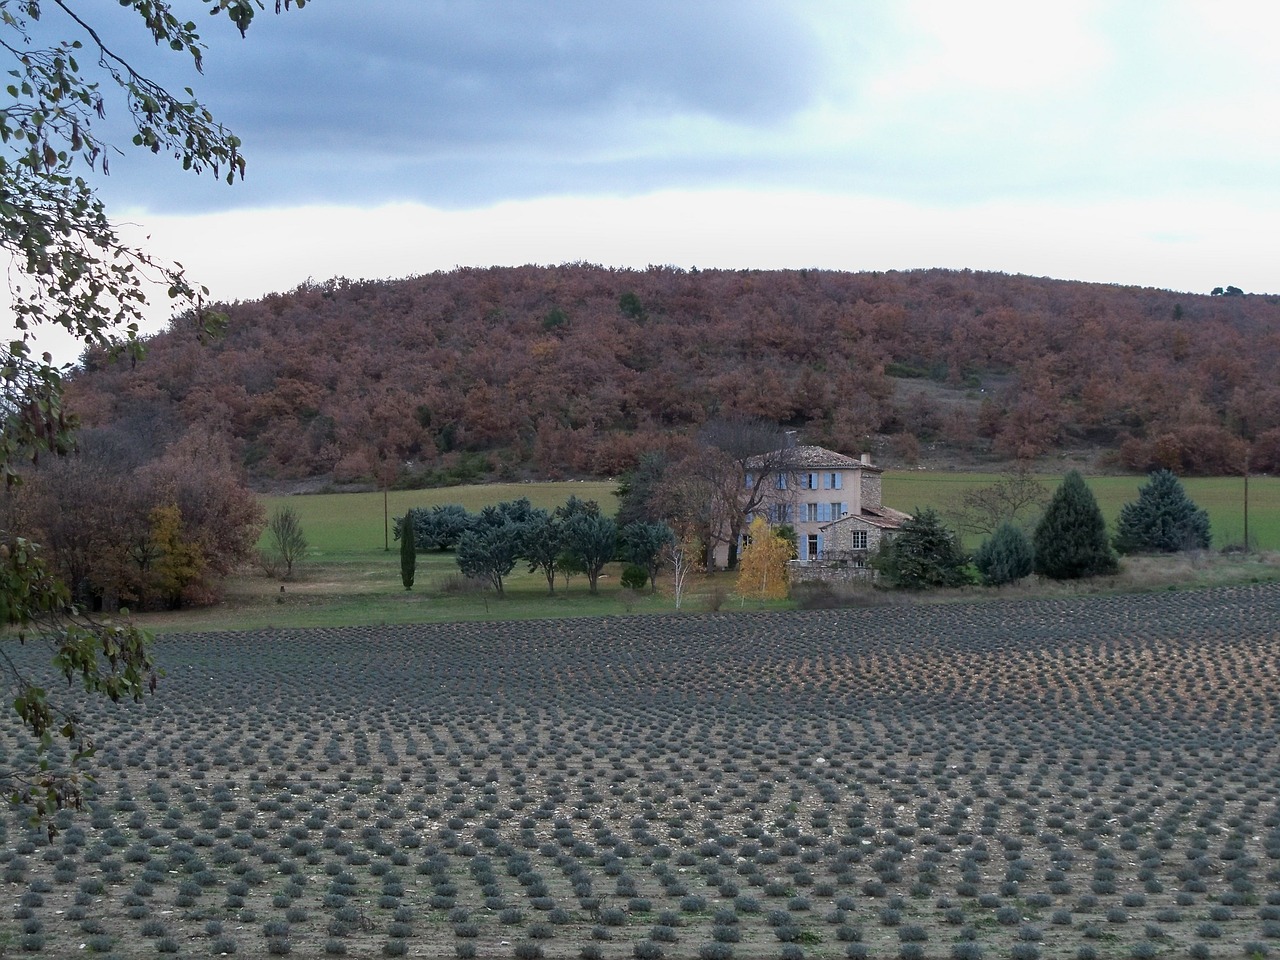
[[69, 268]]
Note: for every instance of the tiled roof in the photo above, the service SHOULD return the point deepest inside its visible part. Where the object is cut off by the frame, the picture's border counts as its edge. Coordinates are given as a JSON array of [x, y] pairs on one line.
[[886, 518], [808, 458]]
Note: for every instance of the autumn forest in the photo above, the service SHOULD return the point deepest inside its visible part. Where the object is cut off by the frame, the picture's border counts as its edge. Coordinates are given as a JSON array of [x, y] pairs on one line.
[[548, 372]]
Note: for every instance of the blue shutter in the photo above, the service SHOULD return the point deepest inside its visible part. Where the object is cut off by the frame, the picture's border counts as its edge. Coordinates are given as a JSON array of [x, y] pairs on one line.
[[839, 479], [826, 481], [748, 481], [820, 545]]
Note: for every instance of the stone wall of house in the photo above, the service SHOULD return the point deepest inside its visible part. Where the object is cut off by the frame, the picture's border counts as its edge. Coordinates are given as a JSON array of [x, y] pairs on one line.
[[839, 536], [870, 488]]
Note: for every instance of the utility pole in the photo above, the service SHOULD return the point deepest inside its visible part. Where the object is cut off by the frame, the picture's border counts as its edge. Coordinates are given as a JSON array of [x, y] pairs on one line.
[[1246, 501]]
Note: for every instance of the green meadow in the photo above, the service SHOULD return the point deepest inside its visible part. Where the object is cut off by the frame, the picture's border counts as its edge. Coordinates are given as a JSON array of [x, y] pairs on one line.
[[350, 576]]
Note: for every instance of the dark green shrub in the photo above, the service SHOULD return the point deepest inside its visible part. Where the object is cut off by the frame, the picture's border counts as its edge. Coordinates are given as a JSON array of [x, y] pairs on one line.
[[634, 577], [1005, 557]]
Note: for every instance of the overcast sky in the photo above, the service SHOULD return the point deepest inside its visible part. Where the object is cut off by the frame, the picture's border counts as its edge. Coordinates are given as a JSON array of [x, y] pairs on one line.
[[1127, 142]]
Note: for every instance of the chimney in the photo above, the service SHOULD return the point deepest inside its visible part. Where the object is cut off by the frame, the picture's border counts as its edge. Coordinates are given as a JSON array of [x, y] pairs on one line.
[[866, 459], [789, 439]]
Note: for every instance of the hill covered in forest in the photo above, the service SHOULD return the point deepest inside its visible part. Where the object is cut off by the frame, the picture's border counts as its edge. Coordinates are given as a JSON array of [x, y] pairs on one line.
[[575, 370]]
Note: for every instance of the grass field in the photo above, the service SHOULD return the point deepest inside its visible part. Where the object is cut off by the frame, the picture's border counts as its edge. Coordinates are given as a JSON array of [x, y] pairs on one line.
[[1073, 778], [350, 578]]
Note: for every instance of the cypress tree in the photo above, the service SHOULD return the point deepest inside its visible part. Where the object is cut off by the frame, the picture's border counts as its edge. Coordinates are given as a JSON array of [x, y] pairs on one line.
[[1005, 557], [1162, 520], [1070, 540], [408, 550]]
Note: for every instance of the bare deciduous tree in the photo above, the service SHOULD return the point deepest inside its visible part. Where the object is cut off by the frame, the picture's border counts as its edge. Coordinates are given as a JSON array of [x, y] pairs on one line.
[[679, 555], [740, 466], [288, 541], [1017, 497]]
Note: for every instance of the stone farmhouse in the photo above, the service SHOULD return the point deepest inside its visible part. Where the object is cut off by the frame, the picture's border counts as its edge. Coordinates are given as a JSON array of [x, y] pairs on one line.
[[832, 501]]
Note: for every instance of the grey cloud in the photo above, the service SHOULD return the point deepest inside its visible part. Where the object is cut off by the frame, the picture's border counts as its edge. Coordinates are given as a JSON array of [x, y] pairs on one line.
[[458, 103]]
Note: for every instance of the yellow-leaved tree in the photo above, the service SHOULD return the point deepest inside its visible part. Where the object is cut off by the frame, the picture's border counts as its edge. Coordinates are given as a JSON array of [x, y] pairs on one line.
[[762, 569], [180, 562]]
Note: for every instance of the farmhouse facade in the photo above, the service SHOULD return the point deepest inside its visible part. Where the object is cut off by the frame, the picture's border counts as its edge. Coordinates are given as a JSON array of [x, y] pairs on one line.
[[831, 500]]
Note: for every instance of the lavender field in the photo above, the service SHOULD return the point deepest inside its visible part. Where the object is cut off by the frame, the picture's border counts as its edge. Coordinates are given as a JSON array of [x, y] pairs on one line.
[[1095, 777]]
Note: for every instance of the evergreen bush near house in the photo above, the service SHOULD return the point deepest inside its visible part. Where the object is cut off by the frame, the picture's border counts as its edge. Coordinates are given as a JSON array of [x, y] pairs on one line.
[[924, 553], [1070, 541], [634, 577], [408, 550], [1005, 557], [1162, 520]]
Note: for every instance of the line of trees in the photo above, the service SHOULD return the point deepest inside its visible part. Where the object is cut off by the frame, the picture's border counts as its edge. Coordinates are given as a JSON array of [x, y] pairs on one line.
[[1068, 541], [575, 538], [1061, 536]]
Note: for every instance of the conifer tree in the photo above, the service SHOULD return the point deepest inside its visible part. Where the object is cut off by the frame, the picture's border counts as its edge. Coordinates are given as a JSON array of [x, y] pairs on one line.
[[1005, 557], [923, 553], [1162, 520], [1070, 540], [408, 550]]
